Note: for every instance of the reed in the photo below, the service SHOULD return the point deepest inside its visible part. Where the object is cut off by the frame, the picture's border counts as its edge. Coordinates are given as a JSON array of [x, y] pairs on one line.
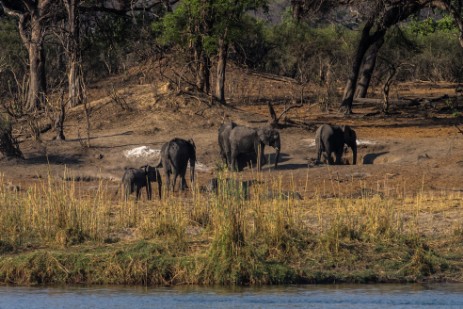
[[258, 233]]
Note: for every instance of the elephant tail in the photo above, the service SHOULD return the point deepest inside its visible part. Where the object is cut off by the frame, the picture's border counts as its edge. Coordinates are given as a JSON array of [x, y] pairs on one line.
[[318, 143]]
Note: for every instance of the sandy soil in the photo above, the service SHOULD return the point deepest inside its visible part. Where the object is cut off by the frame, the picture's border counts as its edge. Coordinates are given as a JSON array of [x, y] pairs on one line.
[[414, 149]]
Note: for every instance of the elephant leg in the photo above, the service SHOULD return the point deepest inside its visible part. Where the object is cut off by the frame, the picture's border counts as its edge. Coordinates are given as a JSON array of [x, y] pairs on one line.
[[167, 174], [234, 161], [319, 155], [174, 182], [184, 186], [339, 157], [137, 192], [228, 157], [328, 156], [126, 191], [148, 190]]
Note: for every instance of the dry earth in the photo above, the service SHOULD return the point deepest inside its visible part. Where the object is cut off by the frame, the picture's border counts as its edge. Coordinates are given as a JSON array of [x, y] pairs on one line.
[[414, 149]]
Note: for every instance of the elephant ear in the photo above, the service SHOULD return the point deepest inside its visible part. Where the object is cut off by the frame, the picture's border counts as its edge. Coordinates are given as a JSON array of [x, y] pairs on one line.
[[265, 135], [192, 142], [349, 134], [145, 168]]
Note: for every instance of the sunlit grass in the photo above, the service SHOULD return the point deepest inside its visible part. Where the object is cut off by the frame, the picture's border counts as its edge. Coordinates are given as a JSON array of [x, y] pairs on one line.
[[242, 234]]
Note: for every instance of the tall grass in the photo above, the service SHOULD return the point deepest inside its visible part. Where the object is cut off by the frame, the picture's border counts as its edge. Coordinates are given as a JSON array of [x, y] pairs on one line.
[[239, 235]]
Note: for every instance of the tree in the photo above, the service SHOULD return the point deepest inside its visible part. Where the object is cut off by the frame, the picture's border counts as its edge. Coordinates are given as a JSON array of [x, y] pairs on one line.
[[73, 52], [383, 15], [208, 27], [378, 17], [32, 18]]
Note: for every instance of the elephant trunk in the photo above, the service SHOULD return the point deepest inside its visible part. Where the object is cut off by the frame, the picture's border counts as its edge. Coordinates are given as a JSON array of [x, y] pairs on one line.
[[354, 153], [277, 156], [159, 181], [192, 171]]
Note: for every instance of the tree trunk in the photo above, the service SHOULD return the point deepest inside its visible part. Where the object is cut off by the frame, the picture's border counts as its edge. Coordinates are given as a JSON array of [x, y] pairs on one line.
[[75, 75], [32, 16], [367, 68], [202, 67], [221, 66], [37, 76], [296, 9], [198, 55], [364, 44], [207, 73]]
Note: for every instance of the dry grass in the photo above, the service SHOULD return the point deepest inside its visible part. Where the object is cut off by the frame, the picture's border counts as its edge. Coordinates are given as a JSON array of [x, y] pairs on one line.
[[232, 237]]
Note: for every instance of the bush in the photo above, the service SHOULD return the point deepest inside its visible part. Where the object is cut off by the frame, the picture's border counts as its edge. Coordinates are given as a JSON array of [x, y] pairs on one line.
[[8, 145]]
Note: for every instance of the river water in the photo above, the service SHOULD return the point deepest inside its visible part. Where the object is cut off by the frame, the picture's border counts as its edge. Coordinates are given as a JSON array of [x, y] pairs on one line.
[[307, 296]]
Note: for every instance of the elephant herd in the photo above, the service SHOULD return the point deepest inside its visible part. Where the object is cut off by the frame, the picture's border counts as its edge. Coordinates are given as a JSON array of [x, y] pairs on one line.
[[239, 145]]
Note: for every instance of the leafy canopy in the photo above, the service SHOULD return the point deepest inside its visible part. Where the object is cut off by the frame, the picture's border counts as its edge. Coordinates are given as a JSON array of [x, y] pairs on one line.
[[207, 20]]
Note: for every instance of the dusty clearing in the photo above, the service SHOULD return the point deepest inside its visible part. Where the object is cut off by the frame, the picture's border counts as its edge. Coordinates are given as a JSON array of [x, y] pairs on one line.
[[415, 149]]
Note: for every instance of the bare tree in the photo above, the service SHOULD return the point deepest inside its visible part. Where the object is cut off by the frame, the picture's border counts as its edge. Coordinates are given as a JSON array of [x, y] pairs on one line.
[[32, 16], [73, 52]]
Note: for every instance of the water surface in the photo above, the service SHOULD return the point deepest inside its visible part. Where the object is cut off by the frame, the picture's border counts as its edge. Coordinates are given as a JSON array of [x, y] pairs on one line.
[[307, 296]]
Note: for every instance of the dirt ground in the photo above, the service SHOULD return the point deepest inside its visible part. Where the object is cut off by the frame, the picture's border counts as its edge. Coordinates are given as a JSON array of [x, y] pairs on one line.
[[416, 148]]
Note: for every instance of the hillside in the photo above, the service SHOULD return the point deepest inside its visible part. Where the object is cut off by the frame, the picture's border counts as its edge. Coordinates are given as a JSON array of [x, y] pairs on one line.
[[415, 148]]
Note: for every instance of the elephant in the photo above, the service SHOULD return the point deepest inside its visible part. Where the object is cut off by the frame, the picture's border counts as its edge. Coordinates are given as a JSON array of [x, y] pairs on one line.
[[134, 179], [224, 140], [225, 151], [175, 155], [330, 138], [246, 141]]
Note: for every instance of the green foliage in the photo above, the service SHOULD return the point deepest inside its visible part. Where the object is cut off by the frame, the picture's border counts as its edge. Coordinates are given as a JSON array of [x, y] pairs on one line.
[[300, 49], [112, 43], [252, 45], [431, 25], [206, 21], [13, 56], [12, 52]]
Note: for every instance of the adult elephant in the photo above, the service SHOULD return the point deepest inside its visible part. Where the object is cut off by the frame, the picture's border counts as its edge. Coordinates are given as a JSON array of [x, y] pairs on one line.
[[246, 141], [330, 138], [224, 141], [225, 149], [175, 156]]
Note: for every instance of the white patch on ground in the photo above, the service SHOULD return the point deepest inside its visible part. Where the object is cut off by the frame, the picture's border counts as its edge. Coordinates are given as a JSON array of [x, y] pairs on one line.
[[311, 142], [365, 142], [201, 167], [148, 153], [142, 152]]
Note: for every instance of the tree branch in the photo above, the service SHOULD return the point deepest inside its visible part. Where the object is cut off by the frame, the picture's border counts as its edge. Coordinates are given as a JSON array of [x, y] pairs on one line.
[[124, 9]]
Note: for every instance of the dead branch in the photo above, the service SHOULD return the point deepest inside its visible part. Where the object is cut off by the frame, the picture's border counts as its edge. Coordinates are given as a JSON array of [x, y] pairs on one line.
[[275, 120], [276, 78], [119, 100], [198, 99], [459, 130], [393, 69], [59, 122]]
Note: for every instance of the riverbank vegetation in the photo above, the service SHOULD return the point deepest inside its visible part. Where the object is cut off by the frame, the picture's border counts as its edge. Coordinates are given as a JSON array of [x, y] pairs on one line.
[[61, 231]]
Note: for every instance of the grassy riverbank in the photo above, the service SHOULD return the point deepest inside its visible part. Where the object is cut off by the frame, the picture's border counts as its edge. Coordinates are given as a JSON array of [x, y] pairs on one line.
[[60, 231]]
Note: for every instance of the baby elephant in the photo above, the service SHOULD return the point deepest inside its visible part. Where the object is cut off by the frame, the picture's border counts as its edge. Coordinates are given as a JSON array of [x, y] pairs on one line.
[[331, 139], [134, 179]]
